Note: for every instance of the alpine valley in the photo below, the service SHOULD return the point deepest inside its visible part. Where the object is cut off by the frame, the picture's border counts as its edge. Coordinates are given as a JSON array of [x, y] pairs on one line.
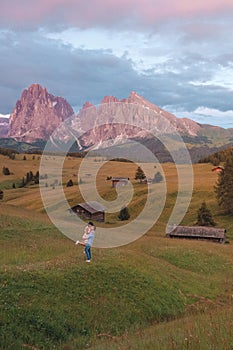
[[40, 116]]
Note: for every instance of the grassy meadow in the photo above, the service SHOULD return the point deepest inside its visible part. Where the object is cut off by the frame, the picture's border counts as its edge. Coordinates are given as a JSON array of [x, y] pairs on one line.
[[155, 293]]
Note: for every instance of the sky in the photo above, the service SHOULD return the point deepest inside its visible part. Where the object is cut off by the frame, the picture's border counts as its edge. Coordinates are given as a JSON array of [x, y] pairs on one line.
[[178, 54]]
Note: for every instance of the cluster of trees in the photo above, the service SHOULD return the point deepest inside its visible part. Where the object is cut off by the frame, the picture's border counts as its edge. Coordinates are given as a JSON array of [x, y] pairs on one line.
[[8, 152], [123, 160], [224, 193], [224, 186], [30, 179], [218, 157], [77, 154]]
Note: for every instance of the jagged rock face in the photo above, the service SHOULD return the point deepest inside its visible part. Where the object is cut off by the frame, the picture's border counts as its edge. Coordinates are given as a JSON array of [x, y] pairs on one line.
[[136, 118], [37, 114]]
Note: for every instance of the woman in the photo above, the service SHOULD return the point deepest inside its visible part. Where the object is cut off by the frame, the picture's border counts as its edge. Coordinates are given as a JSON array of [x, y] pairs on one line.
[[89, 238]]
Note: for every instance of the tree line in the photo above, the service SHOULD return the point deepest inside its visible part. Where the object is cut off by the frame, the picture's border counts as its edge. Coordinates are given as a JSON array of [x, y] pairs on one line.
[[218, 157], [8, 152]]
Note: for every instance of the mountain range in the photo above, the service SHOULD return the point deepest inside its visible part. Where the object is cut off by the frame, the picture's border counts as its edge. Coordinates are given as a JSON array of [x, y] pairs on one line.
[[38, 116]]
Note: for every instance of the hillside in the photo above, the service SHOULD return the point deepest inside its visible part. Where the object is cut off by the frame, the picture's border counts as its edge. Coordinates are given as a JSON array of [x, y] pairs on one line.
[[153, 291]]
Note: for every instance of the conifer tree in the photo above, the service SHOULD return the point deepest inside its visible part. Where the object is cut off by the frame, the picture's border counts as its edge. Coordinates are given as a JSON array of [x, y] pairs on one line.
[[37, 177], [140, 175], [124, 214], [23, 183], [69, 183], [224, 186], [204, 216], [158, 177]]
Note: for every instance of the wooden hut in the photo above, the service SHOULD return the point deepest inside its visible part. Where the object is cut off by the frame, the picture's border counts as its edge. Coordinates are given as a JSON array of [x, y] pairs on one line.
[[198, 232], [119, 181], [90, 210], [218, 169]]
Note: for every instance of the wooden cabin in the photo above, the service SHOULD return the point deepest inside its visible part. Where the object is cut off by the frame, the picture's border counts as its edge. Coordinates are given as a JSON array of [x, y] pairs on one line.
[[90, 210], [198, 232], [119, 181]]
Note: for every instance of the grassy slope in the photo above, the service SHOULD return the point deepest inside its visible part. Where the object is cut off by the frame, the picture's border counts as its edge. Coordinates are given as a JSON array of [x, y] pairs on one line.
[[51, 299]]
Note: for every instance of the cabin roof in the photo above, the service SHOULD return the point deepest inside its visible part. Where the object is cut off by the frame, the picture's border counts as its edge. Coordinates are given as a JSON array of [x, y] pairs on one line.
[[198, 230], [92, 207], [219, 167], [119, 178]]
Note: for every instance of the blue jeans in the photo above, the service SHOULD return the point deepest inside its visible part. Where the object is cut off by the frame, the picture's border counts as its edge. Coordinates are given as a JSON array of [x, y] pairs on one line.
[[88, 252]]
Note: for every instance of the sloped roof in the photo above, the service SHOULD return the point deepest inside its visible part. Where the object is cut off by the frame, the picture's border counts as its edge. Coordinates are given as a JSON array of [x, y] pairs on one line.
[[92, 207], [218, 168], [201, 231]]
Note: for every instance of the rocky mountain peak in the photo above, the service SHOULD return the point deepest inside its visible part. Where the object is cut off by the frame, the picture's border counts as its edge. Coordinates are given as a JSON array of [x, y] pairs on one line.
[[87, 105], [109, 99], [35, 91], [37, 114]]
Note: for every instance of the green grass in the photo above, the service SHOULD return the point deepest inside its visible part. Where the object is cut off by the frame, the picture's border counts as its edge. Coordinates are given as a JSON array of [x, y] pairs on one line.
[[50, 307], [51, 299], [156, 293], [204, 332]]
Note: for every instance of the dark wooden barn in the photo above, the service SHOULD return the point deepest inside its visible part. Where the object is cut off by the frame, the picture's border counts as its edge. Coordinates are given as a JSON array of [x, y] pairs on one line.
[[90, 210], [198, 232]]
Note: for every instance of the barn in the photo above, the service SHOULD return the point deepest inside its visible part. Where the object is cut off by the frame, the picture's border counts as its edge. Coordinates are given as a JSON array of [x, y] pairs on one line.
[[90, 210], [198, 232], [119, 181]]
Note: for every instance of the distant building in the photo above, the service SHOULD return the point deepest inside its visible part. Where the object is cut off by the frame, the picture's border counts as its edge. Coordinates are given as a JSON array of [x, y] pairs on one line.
[[147, 181], [198, 232], [119, 181], [90, 210], [218, 169]]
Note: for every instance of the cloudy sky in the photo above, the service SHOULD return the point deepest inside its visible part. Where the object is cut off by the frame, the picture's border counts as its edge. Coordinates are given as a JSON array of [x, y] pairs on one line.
[[176, 53]]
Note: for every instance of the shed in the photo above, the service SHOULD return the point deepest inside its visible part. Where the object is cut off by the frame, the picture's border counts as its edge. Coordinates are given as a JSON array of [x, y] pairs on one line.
[[90, 210], [119, 181], [198, 232], [218, 169], [146, 180]]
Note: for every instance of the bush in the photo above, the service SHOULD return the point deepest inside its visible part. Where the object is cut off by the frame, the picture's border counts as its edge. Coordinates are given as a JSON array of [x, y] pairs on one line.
[[1, 194], [157, 178], [5, 171], [124, 214], [69, 183]]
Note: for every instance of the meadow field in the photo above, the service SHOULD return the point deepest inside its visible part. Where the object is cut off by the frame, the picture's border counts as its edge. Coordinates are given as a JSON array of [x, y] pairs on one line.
[[154, 293]]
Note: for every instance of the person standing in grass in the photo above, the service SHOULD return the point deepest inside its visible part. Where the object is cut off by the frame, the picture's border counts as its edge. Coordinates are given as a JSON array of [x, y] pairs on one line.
[[87, 230], [89, 238]]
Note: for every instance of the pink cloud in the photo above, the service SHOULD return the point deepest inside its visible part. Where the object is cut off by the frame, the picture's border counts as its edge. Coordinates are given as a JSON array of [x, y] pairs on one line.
[[104, 12]]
